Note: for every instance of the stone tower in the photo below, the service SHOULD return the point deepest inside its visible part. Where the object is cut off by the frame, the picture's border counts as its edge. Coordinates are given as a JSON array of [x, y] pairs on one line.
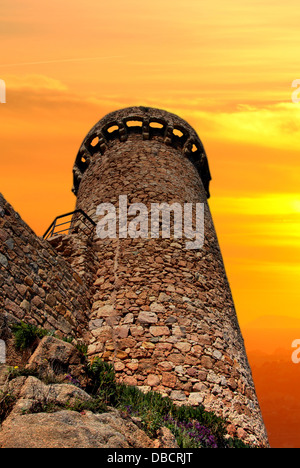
[[161, 313]]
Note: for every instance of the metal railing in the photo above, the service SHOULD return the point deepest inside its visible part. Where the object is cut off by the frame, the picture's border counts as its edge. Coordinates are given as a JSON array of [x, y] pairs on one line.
[[84, 224]]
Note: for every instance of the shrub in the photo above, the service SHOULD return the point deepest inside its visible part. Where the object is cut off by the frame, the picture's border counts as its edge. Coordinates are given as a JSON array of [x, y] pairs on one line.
[[25, 334], [102, 381], [150, 407], [82, 348]]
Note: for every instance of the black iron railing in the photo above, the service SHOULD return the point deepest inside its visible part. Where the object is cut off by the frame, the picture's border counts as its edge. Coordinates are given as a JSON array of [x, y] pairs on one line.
[[81, 224]]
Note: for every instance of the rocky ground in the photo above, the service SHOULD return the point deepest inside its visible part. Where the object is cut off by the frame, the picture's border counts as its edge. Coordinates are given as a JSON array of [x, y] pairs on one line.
[[29, 418]]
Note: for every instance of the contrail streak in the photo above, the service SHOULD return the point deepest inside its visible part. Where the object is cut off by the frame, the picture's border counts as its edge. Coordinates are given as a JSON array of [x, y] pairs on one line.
[[59, 61]]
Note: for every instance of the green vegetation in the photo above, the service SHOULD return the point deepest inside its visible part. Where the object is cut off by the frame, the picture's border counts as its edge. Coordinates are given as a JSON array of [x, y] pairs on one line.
[[14, 372], [193, 427], [26, 334]]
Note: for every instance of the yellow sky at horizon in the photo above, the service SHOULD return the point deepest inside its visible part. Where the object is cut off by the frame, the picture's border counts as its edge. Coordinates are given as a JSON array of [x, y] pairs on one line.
[[225, 67]]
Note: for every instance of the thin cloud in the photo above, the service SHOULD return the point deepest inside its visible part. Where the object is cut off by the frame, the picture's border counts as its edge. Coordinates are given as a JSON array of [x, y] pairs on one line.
[[34, 82], [270, 204], [42, 62], [275, 126]]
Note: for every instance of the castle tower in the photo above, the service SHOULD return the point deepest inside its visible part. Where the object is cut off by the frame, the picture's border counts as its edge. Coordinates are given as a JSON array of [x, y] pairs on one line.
[[162, 313]]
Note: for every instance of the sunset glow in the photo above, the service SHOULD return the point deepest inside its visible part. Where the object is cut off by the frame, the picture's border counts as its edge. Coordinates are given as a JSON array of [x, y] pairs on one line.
[[225, 67]]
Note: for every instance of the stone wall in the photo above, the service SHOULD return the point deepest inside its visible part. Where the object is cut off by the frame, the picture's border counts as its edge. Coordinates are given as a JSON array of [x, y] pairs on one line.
[[37, 285], [78, 251]]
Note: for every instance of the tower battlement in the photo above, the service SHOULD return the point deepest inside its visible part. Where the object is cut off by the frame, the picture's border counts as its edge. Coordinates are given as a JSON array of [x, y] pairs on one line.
[[150, 123]]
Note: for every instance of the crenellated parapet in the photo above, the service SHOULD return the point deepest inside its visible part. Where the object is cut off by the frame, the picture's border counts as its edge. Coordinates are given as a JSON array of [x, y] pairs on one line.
[[150, 123]]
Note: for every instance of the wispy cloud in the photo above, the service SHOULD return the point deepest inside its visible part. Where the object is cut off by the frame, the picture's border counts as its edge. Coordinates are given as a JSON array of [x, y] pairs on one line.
[[76, 59], [275, 125], [277, 204], [33, 82]]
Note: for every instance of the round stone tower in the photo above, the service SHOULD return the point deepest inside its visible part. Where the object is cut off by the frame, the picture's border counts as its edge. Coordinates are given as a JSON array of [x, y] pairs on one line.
[[162, 312]]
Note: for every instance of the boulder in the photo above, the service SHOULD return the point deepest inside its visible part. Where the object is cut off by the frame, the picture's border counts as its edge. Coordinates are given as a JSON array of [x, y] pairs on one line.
[[62, 429], [56, 358]]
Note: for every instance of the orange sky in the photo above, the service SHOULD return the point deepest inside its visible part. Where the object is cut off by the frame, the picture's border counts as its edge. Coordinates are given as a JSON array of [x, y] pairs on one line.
[[225, 67]]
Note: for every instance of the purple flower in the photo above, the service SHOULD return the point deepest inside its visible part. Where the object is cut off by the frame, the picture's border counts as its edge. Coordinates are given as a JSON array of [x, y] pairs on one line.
[[198, 434]]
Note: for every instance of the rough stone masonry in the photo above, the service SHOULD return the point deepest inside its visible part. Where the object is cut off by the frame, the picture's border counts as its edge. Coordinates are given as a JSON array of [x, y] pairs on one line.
[[161, 314]]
